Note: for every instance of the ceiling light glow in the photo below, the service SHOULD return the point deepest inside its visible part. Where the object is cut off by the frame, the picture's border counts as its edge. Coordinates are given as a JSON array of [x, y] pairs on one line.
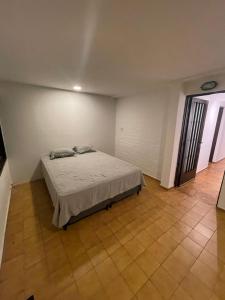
[[77, 88]]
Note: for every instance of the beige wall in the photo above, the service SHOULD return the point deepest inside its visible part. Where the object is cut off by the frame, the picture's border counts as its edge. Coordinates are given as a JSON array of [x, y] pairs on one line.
[[35, 120]]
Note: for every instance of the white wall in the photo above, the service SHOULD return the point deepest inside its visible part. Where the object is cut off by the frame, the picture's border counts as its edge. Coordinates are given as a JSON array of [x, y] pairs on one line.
[[36, 120], [173, 132], [5, 192], [219, 152], [208, 132], [140, 130], [214, 103]]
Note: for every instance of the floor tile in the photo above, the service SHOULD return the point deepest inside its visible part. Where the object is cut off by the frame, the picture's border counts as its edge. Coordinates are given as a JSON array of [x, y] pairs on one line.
[[12, 268], [97, 254], [145, 238], [162, 280], [115, 225], [147, 263], [121, 258], [219, 289], [159, 252], [191, 246], [180, 294], [184, 256], [195, 288], [134, 277], [62, 278], [56, 258], [148, 291], [175, 268], [134, 248], [212, 261], [81, 265], [118, 289], [70, 293], [199, 238], [103, 232], [107, 271], [111, 244], [123, 235], [204, 230], [168, 241], [89, 284], [207, 275]]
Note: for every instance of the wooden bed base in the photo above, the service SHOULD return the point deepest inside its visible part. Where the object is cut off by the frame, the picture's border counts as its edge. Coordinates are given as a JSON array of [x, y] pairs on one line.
[[103, 205]]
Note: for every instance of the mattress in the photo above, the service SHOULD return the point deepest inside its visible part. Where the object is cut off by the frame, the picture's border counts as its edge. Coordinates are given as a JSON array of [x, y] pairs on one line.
[[80, 182]]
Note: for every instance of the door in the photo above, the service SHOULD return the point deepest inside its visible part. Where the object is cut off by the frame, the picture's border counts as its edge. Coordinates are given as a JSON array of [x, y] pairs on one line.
[[218, 122], [191, 138]]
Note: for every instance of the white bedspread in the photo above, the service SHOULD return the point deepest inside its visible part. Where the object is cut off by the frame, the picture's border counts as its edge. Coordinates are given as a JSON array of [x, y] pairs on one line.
[[80, 182]]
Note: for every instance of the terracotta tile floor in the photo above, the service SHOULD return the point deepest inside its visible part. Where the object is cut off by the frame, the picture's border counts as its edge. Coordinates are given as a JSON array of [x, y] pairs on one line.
[[158, 245]]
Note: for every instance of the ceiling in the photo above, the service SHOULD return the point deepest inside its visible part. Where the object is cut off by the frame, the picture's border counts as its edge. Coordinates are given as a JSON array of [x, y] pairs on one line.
[[112, 47]]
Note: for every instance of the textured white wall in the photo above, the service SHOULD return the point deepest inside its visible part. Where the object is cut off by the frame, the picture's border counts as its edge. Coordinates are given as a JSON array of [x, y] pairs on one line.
[[5, 192], [173, 131], [35, 120], [140, 130]]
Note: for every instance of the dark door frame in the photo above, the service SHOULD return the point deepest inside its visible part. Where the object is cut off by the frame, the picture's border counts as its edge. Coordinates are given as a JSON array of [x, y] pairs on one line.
[[187, 108]]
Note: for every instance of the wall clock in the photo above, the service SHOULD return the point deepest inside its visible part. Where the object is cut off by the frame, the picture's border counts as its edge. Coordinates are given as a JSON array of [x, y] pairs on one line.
[[209, 85]]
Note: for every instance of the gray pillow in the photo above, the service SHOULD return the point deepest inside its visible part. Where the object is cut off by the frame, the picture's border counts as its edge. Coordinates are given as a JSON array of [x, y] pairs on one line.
[[83, 149], [61, 152]]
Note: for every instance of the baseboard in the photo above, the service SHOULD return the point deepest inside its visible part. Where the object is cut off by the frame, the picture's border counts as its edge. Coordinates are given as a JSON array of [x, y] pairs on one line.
[[217, 161], [146, 173], [5, 217], [167, 189], [26, 182], [156, 179]]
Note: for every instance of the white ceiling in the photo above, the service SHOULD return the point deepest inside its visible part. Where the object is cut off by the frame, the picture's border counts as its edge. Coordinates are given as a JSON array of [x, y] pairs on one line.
[[113, 47]]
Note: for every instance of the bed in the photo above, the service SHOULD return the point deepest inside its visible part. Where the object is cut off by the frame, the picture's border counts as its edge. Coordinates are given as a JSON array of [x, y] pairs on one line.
[[85, 183]]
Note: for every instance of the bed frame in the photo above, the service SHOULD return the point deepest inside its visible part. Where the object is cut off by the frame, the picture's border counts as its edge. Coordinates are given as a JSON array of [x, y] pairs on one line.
[[103, 205]]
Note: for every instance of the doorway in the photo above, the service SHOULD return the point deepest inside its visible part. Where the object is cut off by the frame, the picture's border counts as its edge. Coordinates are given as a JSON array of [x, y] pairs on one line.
[[215, 137], [202, 136], [191, 137]]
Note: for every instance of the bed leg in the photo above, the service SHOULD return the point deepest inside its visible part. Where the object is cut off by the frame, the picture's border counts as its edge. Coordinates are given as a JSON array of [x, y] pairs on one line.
[[139, 189], [65, 227], [108, 206]]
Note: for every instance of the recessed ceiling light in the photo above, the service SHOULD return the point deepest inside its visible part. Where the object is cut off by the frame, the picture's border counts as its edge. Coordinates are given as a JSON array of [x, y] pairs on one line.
[[77, 88]]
